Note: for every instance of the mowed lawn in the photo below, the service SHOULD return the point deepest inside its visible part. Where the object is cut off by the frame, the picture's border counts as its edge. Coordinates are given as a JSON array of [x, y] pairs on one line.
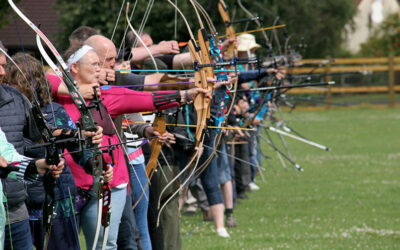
[[348, 198]]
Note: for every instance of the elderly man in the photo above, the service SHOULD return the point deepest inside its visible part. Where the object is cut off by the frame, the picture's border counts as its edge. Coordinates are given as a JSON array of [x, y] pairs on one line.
[[107, 53]]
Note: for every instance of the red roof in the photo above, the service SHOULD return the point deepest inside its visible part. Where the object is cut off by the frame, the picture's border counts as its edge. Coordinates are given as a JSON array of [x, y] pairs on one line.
[[39, 12]]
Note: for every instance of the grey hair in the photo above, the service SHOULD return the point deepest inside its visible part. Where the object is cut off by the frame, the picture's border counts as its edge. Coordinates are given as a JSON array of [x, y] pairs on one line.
[[2, 47]]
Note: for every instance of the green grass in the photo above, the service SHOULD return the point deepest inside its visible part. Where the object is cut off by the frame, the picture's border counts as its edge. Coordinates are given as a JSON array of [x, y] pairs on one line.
[[340, 100], [347, 198]]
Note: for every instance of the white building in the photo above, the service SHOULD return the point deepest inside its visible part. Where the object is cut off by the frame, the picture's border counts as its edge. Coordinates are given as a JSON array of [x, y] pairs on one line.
[[370, 13]]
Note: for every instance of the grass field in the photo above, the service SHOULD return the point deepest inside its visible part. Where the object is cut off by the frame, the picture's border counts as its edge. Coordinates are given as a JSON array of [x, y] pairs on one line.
[[347, 198]]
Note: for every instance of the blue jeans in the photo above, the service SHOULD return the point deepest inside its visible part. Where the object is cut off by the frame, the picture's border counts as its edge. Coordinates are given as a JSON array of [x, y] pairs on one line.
[[20, 236], [209, 177], [253, 153], [222, 161], [88, 219], [258, 148], [126, 232], [139, 180]]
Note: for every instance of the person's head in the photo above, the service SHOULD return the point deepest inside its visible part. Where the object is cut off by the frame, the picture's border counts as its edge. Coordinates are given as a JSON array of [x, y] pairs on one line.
[[79, 35], [146, 39], [105, 49], [3, 61], [131, 38], [84, 65], [242, 103], [30, 67]]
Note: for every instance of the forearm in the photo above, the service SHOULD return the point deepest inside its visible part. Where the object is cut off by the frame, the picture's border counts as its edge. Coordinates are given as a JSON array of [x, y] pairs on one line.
[[140, 54], [25, 170], [182, 60], [123, 101], [136, 128], [151, 80], [246, 76]]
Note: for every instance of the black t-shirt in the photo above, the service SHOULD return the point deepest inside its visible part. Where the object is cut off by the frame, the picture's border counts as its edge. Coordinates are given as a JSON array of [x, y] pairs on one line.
[[168, 60]]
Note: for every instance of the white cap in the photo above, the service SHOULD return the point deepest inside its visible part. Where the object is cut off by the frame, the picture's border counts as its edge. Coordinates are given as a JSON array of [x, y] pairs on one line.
[[247, 42]]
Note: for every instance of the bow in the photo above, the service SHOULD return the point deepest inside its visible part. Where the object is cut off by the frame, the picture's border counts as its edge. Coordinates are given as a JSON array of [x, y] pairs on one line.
[[249, 14], [87, 120], [50, 143], [221, 114], [49, 182], [230, 34], [201, 105], [101, 189], [51, 156], [159, 125], [206, 58]]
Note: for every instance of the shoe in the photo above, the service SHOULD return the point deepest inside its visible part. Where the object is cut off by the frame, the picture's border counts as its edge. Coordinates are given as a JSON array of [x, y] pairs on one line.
[[230, 221], [242, 195], [253, 186], [207, 216], [222, 232]]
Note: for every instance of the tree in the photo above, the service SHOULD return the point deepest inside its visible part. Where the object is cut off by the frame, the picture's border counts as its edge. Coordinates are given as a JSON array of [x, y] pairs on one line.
[[4, 13], [320, 23], [385, 39]]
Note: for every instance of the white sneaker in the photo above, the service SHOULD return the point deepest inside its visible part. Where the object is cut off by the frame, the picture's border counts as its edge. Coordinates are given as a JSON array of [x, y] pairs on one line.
[[222, 232], [253, 186]]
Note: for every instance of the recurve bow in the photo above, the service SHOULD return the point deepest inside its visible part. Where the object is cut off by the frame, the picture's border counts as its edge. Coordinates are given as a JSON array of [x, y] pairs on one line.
[[87, 120]]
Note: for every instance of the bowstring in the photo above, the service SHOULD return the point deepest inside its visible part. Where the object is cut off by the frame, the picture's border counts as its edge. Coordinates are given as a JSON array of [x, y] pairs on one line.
[[176, 22], [126, 153], [122, 44], [144, 20], [116, 23], [134, 170]]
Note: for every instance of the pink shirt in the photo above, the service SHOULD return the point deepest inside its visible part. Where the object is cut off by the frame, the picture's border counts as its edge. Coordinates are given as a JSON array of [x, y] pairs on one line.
[[117, 101]]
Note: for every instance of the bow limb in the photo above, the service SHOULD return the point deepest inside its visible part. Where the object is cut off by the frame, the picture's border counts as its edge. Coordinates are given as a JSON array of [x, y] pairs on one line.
[[208, 20], [205, 54], [140, 39], [249, 14], [230, 34], [184, 20], [101, 189], [159, 125], [200, 102], [204, 45], [201, 105]]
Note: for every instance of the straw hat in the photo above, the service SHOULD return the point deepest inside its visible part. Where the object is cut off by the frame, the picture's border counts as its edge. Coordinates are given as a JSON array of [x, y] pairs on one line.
[[247, 42]]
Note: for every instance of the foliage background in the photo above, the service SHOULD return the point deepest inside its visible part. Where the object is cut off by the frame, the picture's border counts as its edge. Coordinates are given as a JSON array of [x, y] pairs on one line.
[[319, 23], [4, 11], [385, 39]]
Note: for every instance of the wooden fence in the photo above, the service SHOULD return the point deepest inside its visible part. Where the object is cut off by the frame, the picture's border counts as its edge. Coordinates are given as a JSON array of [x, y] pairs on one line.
[[345, 65]]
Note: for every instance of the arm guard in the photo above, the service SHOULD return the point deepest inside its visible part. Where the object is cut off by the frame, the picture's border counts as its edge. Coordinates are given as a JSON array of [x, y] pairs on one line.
[[166, 99]]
